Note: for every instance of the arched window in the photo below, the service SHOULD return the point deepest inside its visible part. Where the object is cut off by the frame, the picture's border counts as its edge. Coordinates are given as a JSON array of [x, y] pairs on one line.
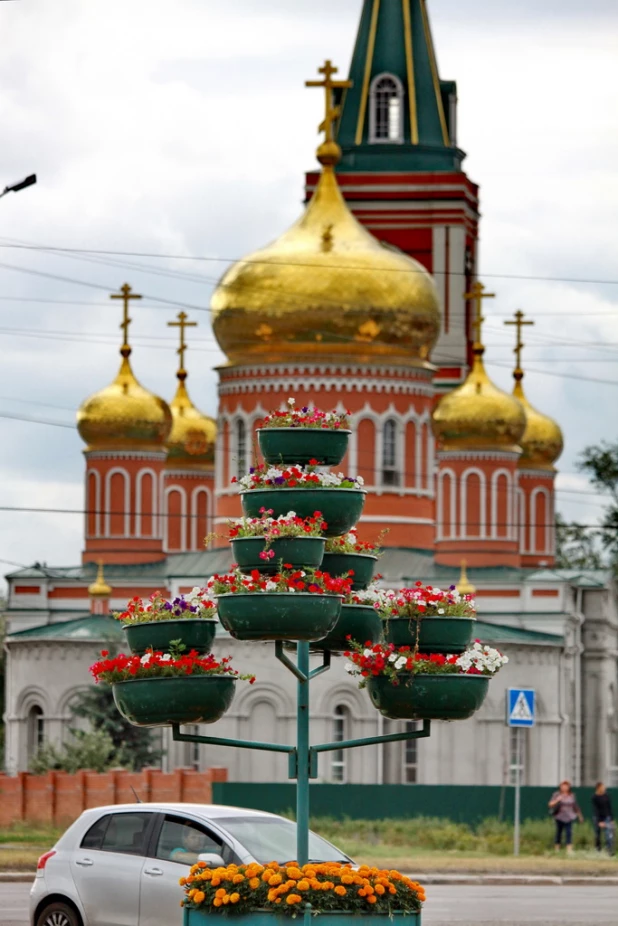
[[341, 732], [241, 448], [386, 112], [35, 730], [390, 471]]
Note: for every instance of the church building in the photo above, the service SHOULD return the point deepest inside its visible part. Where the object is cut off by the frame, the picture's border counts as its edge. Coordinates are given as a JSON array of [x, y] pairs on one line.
[[370, 302]]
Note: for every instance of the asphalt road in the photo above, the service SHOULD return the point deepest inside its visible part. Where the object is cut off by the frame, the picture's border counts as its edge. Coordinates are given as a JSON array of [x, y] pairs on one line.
[[451, 905]]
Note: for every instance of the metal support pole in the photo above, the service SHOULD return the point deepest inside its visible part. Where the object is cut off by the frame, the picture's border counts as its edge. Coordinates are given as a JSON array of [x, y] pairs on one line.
[[302, 747], [517, 794]]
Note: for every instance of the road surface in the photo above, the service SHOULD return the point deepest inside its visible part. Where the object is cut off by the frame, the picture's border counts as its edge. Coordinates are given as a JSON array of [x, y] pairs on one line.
[[451, 905]]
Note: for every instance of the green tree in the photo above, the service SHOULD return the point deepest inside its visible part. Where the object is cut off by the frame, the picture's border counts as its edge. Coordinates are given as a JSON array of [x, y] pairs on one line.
[[576, 546], [600, 463], [91, 749], [2, 682], [134, 747]]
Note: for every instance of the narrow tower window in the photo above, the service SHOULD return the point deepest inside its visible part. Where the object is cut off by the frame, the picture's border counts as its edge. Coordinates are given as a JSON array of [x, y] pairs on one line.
[[390, 473], [35, 730], [241, 448], [386, 111]]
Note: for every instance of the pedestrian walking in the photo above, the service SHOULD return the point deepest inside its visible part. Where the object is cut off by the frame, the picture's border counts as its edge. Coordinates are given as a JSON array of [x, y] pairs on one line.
[[603, 818], [565, 810]]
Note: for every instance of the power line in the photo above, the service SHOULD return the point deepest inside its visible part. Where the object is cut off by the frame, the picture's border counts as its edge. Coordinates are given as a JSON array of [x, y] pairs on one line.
[[243, 260]]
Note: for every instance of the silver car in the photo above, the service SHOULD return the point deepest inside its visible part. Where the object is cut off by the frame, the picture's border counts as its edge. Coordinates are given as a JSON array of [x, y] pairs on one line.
[[120, 865]]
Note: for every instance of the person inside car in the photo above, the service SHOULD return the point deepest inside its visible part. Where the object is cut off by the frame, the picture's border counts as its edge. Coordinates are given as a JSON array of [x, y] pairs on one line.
[[192, 844]]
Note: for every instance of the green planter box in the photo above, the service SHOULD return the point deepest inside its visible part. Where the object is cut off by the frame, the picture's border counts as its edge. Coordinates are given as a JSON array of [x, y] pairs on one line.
[[154, 702], [340, 508], [429, 697], [196, 633], [306, 917], [300, 552], [278, 615], [436, 635], [361, 622], [300, 445], [363, 565]]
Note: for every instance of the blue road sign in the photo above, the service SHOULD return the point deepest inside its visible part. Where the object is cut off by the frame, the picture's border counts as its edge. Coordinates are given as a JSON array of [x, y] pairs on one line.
[[520, 707]]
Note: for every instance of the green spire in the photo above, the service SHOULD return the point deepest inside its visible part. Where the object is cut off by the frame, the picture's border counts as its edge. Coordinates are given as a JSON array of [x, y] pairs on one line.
[[398, 115]]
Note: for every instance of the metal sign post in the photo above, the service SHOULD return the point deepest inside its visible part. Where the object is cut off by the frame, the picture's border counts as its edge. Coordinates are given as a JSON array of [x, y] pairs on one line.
[[520, 713]]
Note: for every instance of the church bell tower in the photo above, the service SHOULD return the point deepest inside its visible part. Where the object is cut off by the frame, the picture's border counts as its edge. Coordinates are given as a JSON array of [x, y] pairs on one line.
[[400, 170]]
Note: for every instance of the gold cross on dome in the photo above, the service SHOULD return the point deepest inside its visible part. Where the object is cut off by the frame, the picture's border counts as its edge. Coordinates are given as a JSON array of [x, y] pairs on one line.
[[476, 295], [126, 295], [182, 323], [332, 112], [519, 346]]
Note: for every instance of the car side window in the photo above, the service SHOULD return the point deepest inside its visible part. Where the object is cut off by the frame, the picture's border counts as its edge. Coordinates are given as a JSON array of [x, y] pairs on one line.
[[94, 837], [182, 840], [126, 833]]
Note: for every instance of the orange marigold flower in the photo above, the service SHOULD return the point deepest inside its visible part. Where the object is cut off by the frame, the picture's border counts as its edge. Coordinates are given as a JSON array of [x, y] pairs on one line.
[[225, 900], [347, 879], [217, 902], [202, 865], [294, 872], [238, 878], [392, 889], [267, 875], [215, 881], [254, 883], [340, 889], [372, 899], [235, 897], [309, 871], [275, 880], [199, 896], [182, 882], [303, 885], [361, 892], [380, 889], [293, 898], [221, 892], [278, 900]]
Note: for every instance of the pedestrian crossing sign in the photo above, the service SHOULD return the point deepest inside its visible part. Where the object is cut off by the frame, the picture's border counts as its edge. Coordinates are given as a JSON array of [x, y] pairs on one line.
[[520, 707]]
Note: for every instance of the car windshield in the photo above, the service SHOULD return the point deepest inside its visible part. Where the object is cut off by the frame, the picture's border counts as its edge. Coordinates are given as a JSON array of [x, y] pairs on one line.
[[272, 839]]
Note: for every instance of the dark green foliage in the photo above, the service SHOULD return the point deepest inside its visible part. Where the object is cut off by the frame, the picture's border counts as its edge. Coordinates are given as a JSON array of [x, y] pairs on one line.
[[134, 747], [600, 463], [576, 546]]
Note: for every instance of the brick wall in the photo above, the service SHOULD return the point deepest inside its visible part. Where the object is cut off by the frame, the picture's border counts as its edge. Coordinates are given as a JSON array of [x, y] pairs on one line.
[[58, 797]]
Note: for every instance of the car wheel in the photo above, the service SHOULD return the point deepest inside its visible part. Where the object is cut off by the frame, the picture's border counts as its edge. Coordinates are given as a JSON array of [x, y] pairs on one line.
[[58, 914]]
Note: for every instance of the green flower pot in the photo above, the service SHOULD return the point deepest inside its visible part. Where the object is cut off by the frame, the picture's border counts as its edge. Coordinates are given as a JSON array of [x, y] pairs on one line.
[[299, 551], [306, 917], [361, 622], [436, 635], [196, 633], [428, 697], [300, 445], [155, 702], [340, 508], [362, 564], [278, 615]]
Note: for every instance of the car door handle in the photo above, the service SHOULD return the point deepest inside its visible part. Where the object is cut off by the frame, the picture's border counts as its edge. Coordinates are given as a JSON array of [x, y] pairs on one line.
[[84, 862], [153, 872]]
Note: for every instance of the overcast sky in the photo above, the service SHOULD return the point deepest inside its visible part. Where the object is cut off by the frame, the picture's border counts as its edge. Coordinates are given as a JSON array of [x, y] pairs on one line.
[[183, 128]]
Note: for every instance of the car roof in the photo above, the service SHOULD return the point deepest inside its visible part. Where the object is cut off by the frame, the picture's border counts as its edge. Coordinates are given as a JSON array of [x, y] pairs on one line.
[[212, 811]]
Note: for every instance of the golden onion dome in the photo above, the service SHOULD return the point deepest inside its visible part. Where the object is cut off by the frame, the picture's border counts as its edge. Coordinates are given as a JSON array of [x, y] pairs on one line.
[[124, 415], [541, 441], [478, 415], [191, 443], [99, 588], [326, 287]]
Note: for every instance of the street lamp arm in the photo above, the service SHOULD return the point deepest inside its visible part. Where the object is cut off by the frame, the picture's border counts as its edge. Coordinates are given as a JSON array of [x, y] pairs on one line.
[[30, 180]]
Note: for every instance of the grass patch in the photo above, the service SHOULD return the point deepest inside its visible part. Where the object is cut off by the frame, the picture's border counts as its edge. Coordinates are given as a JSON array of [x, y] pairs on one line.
[[31, 833], [412, 836]]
